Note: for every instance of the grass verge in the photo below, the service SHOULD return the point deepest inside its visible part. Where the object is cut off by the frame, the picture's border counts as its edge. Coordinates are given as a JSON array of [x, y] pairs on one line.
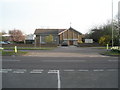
[[9, 53], [27, 48], [102, 47], [111, 53]]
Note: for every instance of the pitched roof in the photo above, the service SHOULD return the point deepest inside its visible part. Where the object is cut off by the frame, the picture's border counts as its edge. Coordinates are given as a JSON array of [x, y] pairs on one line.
[[70, 29], [52, 31], [46, 31], [74, 30]]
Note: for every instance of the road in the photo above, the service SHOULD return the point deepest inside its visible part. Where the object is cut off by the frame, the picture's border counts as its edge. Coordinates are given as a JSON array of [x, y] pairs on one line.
[[63, 67]]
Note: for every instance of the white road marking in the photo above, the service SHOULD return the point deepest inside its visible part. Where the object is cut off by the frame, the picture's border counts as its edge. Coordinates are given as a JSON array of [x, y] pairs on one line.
[[5, 70], [98, 70], [52, 71], [58, 77], [19, 71], [112, 60], [1, 71], [69, 70], [59, 83], [37, 71], [83, 70]]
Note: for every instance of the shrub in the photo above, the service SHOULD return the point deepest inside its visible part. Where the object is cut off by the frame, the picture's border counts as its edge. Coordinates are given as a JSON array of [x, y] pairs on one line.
[[105, 40]]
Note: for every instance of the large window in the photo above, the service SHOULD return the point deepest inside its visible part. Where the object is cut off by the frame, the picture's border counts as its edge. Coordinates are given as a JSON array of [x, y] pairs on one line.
[[42, 39]]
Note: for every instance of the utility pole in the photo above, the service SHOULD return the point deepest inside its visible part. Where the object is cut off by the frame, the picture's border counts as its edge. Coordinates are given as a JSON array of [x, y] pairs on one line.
[[70, 24], [112, 25], [119, 22]]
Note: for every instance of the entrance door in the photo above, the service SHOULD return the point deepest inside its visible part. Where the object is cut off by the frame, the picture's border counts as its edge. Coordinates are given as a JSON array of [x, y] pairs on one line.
[[71, 42]]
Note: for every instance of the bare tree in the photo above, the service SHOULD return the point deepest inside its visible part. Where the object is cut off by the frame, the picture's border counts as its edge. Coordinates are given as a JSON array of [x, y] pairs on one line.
[[16, 35]]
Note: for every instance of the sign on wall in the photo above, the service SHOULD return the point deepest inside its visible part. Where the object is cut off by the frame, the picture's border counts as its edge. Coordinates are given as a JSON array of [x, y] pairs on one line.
[[88, 40]]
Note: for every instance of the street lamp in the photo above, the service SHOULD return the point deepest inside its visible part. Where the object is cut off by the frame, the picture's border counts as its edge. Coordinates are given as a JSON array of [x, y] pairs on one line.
[[119, 21], [112, 25]]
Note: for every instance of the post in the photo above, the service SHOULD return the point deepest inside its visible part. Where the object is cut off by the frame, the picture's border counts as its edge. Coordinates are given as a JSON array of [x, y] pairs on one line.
[[15, 49], [119, 22], [107, 47], [112, 23]]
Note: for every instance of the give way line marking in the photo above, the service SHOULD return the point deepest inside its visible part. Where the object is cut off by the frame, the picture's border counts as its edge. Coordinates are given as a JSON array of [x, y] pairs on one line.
[[58, 77]]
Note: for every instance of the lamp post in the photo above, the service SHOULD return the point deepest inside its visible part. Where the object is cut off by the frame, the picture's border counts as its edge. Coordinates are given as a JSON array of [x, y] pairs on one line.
[[119, 22], [112, 25]]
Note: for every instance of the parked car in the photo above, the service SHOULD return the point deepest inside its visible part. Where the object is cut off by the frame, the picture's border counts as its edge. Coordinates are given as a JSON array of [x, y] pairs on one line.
[[64, 44], [8, 42], [5, 42]]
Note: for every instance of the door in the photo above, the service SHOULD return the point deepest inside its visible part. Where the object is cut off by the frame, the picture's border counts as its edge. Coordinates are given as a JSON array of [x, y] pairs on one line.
[[71, 42]]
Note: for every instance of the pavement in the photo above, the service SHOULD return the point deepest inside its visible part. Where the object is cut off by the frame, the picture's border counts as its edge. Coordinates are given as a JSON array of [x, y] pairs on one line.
[[71, 51], [63, 67]]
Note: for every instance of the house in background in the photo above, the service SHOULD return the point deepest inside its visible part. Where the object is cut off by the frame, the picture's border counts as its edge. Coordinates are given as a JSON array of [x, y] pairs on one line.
[[70, 36], [29, 39], [6, 37]]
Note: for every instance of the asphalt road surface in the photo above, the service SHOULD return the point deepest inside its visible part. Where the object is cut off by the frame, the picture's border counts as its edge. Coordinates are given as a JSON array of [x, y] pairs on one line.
[[63, 67]]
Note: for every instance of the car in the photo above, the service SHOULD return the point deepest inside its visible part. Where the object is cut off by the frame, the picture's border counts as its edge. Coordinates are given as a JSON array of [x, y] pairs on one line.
[[64, 44], [2, 42], [5, 42]]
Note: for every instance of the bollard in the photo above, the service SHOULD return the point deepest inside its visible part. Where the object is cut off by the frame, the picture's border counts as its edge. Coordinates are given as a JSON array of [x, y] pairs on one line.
[[107, 47], [15, 49]]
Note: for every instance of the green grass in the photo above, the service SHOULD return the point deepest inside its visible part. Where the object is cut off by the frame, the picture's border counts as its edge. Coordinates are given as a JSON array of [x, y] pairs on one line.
[[111, 53], [28, 48], [102, 48], [9, 53]]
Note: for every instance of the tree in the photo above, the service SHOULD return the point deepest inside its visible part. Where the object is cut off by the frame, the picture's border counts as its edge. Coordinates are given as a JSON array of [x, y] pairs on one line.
[[16, 35], [99, 33], [105, 40], [49, 39]]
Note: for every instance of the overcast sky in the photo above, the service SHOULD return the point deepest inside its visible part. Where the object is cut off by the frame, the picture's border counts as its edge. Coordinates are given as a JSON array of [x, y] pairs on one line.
[[27, 15]]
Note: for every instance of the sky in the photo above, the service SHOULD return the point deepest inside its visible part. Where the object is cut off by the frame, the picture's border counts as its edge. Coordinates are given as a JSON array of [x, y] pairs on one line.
[[28, 15]]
